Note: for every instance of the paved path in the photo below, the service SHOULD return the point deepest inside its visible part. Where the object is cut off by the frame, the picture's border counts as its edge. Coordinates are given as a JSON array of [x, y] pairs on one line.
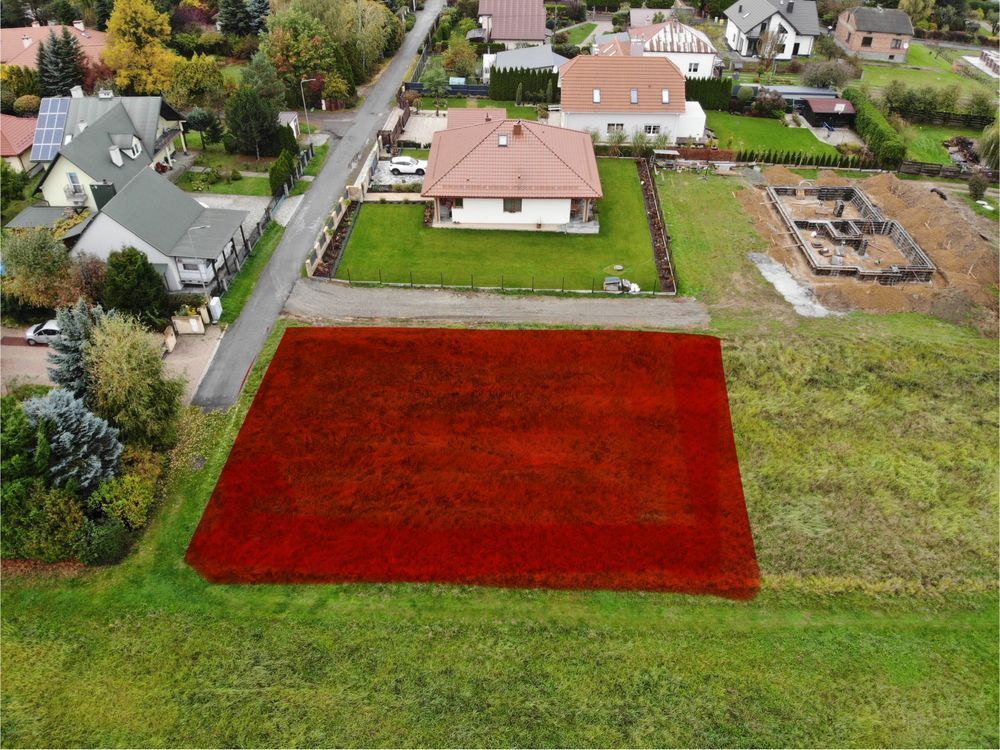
[[324, 301], [243, 341]]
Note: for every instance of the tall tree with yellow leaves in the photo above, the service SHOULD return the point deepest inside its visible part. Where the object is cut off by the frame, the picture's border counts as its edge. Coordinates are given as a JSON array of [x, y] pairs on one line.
[[135, 48]]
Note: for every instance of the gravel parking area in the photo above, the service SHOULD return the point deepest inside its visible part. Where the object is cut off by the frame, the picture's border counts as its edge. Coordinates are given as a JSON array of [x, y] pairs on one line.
[[384, 177]]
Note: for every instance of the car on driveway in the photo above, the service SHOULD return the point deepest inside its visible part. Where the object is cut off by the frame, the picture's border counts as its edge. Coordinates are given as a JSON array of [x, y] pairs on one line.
[[42, 333], [407, 165]]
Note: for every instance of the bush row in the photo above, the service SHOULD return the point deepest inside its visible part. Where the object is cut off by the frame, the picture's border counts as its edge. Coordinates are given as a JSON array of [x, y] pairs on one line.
[[711, 93], [795, 158], [881, 138], [534, 84]]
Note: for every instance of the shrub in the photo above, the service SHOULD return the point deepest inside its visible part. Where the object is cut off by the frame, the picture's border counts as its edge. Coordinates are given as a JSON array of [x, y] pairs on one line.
[[53, 526], [101, 542], [27, 105], [833, 73], [135, 287], [882, 140], [127, 499], [235, 175], [769, 104], [988, 145], [977, 186]]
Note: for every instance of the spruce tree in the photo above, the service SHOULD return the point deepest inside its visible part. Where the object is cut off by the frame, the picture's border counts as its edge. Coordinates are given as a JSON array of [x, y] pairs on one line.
[[134, 286], [234, 17], [67, 353], [84, 449], [258, 10], [261, 76], [61, 64]]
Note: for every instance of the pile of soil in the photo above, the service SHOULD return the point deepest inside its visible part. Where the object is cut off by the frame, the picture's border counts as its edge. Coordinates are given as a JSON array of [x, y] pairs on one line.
[[829, 178], [963, 290], [778, 175]]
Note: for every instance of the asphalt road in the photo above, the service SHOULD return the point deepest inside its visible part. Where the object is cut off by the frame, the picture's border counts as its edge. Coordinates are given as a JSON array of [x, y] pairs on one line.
[[325, 301], [243, 341]]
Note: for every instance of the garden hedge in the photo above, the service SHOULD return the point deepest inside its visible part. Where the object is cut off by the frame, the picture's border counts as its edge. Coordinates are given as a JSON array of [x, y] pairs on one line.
[[711, 93], [880, 137], [533, 83]]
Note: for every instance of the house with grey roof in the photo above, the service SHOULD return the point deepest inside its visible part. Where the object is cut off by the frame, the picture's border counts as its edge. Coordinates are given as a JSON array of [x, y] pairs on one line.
[[875, 33], [795, 22], [194, 247], [539, 57]]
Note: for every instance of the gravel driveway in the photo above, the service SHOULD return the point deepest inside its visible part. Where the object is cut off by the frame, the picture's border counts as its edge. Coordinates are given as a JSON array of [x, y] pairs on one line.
[[319, 300]]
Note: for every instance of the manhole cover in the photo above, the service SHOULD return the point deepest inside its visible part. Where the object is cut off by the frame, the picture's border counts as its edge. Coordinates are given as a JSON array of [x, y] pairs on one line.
[[619, 268]]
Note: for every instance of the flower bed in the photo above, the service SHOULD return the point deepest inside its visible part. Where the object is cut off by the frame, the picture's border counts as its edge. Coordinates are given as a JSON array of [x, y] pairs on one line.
[[565, 459]]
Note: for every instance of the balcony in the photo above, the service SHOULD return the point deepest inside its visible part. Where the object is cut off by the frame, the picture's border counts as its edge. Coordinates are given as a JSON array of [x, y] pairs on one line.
[[75, 194]]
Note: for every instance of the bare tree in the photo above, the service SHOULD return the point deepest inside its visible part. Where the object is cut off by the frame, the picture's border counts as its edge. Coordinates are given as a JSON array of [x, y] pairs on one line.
[[769, 45]]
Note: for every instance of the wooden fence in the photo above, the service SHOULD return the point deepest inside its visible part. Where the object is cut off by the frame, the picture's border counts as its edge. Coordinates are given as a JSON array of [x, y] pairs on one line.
[[943, 170]]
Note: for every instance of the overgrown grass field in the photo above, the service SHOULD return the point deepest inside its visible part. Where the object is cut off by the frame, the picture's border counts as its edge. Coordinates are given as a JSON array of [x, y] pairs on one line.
[[926, 142], [392, 240], [739, 133], [867, 450]]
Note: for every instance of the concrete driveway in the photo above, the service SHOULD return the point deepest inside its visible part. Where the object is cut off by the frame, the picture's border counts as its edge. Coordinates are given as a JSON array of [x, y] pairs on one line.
[[325, 301]]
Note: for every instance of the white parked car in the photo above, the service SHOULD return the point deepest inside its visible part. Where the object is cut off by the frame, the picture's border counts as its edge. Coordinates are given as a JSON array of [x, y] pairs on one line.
[[407, 165], [42, 333]]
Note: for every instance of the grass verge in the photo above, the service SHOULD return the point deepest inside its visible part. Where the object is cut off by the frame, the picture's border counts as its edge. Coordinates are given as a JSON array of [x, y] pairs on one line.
[[245, 281]]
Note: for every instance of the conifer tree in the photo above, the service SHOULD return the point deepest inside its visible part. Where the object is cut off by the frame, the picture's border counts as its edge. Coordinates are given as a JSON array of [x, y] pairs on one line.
[[258, 10], [67, 352], [61, 64], [84, 449], [234, 17]]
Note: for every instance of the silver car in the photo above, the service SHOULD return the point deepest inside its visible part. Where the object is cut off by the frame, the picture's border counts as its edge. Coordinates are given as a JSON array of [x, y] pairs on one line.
[[407, 165], [42, 333]]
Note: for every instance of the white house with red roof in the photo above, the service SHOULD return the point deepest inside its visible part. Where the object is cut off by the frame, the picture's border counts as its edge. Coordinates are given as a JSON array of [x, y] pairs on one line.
[[625, 93], [689, 49], [16, 137], [513, 174]]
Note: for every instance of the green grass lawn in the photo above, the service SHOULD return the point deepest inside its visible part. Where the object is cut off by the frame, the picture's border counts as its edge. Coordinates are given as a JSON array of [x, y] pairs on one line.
[[580, 32], [216, 156], [524, 112], [233, 73], [319, 159], [245, 281], [741, 133], [245, 186], [393, 239], [416, 153], [878, 75], [922, 56], [925, 142]]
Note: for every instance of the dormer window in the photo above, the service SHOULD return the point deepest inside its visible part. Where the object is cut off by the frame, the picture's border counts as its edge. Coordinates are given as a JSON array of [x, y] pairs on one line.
[[597, 96], [633, 96], [665, 96]]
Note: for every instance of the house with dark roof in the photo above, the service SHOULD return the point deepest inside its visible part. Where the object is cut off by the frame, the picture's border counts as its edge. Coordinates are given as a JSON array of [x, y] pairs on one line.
[[537, 57], [875, 33], [687, 48], [16, 134], [627, 93], [513, 23], [194, 247], [794, 21], [513, 174]]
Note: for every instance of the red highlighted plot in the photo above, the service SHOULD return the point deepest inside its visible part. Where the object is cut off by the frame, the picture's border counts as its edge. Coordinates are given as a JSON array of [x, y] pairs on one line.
[[563, 459]]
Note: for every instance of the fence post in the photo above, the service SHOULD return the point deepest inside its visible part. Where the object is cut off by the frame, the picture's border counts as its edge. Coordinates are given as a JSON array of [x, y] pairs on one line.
[[411, 279], [472, 280], [591, 284], [532, 282], [501, 283], [442, 279], [563, 289], [380, 275], [350, 282]]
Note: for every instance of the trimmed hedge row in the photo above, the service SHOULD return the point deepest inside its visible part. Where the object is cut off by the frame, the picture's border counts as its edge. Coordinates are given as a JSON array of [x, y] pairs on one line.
[[880, 137], [711, 93], [533, 83], [794, 158]]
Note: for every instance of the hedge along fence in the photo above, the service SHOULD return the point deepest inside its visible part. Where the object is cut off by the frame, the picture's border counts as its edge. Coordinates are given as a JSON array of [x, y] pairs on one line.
[[880, 137], [535, 84], [798, 159], [710, 93]]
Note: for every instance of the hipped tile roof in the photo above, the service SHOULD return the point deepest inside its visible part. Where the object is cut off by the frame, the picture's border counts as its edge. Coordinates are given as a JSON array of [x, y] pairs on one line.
[[539, 161], [616, 77], [460, 117]]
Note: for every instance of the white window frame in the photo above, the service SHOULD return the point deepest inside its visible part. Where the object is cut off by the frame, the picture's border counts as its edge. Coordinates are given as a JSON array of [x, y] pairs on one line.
[[665, 96], [651, 129], [597, 96], [633, 96]]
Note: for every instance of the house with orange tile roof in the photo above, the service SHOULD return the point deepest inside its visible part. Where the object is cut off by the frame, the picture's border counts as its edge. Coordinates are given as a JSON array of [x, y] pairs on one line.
[[514, 23], [19, 45], [628, 94], [513, 174], [687, 48], [16, 136]]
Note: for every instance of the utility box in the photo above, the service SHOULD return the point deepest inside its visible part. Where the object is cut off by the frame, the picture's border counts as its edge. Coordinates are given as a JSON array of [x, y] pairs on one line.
[[215, 308]]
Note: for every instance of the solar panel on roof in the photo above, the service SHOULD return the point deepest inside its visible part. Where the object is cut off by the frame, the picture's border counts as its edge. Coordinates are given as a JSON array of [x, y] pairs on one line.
[[49, 130]]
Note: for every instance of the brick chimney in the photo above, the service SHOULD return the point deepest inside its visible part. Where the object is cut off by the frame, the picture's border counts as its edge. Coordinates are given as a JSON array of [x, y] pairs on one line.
[[516, 130]]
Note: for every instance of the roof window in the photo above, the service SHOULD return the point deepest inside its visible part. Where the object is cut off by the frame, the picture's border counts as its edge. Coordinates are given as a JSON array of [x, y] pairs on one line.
[[665, 96], [502, 140], [597, 96], [633, 96]]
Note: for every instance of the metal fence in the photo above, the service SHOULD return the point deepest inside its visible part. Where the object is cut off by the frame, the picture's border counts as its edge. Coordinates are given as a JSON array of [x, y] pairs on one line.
[[494, 283], [468, 89]]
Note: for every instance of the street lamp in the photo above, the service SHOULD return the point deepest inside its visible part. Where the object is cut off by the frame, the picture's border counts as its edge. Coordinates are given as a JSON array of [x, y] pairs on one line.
[[304, 107]]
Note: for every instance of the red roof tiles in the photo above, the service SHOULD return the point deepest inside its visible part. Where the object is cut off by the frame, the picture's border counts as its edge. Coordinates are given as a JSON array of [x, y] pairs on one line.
[[460, 117], [19, 46], [16, 134], [538, 161], [615, 77], [515, 20]]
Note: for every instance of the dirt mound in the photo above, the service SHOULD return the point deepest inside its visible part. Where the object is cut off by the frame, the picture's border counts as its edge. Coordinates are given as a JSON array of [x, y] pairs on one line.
[[962, 291], [829, 178], [781, 176]]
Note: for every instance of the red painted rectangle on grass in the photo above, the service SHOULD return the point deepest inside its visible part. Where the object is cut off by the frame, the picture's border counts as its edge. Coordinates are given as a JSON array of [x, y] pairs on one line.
[[564, 459]]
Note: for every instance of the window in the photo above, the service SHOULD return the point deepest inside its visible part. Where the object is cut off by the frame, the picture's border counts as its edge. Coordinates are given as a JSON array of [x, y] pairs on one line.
[[458, 203], [866, 41], [896, 44], [597, 96], [190, 266], [692, 67], [512, 205], [633, 96], [652, 129], [892, 57], [665, 96], [616, 127], [74, 182], [502, 140]]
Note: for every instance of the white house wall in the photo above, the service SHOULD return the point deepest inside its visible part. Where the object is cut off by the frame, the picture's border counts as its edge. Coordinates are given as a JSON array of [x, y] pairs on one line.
[[738, 41], [673, 124], [533, 211], [104, 236], [683, 60], [58, 178]]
